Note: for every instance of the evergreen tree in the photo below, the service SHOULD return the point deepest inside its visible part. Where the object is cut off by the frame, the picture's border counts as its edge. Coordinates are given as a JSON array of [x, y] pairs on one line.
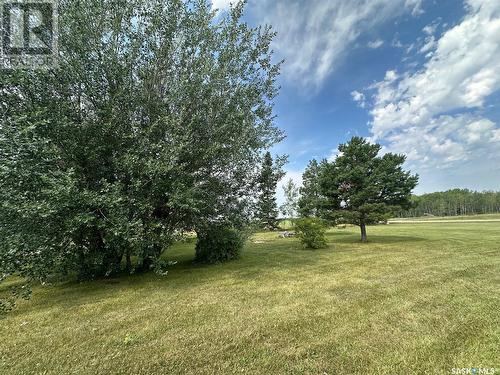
[[363, 188]]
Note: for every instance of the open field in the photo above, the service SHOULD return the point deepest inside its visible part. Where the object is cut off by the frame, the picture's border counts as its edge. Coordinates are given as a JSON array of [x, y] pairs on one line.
[[462, 218], [418, 298]]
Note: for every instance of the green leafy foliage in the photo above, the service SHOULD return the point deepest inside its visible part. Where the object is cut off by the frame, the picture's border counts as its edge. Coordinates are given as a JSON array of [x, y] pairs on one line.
[[153, 123], [9, 296], [291, 193], [219, 243], [311, 232]]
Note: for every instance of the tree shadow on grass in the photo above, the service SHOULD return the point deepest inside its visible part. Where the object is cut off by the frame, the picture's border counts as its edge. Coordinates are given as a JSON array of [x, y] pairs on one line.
[[258, 259], [374, 239]]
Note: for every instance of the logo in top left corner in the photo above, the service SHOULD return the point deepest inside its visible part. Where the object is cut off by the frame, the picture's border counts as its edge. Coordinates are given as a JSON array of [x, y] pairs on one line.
[[28, 34]]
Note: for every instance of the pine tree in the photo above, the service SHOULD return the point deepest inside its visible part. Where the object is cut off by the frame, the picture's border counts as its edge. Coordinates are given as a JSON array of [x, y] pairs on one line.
[[363, 188]]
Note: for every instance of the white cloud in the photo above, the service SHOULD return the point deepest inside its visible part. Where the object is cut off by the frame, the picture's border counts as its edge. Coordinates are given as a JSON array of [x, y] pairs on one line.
[[359, 97], [446, 140], [430, 29], [375, 44], [334, 154], [496, 135], [416, 7], [459, 74], [480, 86], [391, 76], [222, 4], [397, 43], [480, 131], [410, 48], [430, 44], [411, 111], [315, 35]]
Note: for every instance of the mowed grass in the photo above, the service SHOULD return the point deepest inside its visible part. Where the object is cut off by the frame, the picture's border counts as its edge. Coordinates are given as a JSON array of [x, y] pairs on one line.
[[486, 217], [421, 298]]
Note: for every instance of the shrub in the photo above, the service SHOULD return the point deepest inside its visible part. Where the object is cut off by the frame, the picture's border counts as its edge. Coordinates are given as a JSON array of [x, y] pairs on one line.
[[311, 232], [219, 243]]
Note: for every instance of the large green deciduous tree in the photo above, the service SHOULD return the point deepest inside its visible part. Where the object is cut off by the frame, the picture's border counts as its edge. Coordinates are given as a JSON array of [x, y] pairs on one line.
[[361, 187], [153, 123]]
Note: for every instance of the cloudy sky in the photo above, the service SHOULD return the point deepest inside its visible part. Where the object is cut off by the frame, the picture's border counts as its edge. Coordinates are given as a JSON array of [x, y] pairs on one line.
[[420, 77]]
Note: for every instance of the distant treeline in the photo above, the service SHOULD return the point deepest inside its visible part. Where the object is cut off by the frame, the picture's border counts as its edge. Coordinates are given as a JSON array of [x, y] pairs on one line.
[[453, 203]]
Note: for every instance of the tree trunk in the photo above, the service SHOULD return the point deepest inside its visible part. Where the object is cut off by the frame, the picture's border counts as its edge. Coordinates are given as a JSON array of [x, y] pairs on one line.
[[363, 232]]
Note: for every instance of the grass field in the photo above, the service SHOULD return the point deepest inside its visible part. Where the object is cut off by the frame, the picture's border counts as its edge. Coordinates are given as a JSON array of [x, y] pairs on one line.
[[482, 217], [421, 298]]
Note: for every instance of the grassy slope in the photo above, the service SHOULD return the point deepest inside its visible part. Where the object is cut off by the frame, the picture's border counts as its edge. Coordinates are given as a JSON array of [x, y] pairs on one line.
[[417, 298]]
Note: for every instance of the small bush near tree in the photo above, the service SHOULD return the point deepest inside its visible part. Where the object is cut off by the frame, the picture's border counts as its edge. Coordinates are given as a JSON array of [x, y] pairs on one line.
[[311, 232], [219, 243]]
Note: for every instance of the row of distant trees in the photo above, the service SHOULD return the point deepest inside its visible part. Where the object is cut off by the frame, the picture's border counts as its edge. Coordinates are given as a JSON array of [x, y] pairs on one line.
[[453, 203]]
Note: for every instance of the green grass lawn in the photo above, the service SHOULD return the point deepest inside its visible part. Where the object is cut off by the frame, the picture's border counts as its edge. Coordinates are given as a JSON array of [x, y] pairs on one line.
[[486, 217], [421, 298]]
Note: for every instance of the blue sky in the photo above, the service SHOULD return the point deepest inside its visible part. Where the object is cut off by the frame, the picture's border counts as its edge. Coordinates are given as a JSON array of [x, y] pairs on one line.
[[420, 77]]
